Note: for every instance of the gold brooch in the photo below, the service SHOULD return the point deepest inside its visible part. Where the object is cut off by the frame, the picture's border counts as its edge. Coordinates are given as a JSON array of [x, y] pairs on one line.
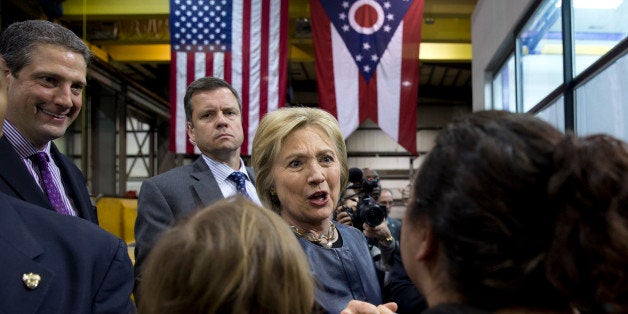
[[31, 280]]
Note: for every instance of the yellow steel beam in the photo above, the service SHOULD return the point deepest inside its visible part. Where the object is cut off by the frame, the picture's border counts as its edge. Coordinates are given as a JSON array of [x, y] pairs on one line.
[[446, 29], [139, 53], [299, 55], [445, 52], [114, 8], [161, 52], [446, 37], [98, 52]]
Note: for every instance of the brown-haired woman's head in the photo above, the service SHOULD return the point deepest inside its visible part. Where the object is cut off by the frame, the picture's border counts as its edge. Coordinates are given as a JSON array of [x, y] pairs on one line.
[[231, 257], [490, 204]]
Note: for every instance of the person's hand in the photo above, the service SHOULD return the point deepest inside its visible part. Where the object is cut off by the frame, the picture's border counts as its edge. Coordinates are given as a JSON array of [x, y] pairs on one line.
[[343, 217], [380, 232], [360, 307]]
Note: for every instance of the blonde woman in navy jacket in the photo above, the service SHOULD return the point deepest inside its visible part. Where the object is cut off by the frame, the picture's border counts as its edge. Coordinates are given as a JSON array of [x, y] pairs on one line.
[[300, 159]]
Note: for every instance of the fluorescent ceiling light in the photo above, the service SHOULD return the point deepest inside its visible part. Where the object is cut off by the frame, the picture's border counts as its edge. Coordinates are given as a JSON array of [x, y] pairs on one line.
[[597, 4]]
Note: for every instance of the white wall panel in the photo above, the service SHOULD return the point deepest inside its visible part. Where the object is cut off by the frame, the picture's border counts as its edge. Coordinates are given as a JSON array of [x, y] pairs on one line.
[[492, 26]]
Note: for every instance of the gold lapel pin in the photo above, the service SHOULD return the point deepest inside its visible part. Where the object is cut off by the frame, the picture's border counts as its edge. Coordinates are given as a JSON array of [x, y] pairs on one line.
[[31, 280]]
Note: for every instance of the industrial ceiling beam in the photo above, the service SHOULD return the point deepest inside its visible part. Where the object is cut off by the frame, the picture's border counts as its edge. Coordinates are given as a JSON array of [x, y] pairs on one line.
[[446, 33], [113, 9]]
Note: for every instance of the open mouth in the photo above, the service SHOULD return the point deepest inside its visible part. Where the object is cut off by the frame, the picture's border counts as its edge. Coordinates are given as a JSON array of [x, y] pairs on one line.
[[318, 198]]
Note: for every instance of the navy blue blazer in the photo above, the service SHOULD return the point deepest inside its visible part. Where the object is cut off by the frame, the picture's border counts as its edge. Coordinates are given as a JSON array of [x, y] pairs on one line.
[[83, 268], [16, 181]]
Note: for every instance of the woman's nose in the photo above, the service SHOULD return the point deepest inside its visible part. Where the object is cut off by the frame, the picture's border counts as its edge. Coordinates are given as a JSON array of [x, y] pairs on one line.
[[317, 174]]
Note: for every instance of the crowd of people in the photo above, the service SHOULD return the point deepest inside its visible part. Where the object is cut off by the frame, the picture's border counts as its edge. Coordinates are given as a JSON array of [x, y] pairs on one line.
[[506, 214]]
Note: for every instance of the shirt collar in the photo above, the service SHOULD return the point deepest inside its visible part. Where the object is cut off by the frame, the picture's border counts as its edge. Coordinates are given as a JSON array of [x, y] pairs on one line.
[[22, 146], [221, 171]]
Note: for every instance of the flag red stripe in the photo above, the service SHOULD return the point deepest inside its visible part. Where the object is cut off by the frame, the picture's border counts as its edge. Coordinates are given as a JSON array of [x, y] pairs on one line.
[[189, 147], [410, 73], [283, 55], [246, 66], [263, 75], [324, 58], [368, 98]]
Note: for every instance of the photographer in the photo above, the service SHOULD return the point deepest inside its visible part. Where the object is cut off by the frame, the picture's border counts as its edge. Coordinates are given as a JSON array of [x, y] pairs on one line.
[[359, 209]]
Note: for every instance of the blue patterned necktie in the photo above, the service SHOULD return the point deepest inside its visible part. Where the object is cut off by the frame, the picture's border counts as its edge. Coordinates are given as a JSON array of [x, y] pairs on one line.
[[239, 178], [51, 190]]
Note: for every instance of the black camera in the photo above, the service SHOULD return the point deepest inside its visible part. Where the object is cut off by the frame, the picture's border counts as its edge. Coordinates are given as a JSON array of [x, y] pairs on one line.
[[367, 210]]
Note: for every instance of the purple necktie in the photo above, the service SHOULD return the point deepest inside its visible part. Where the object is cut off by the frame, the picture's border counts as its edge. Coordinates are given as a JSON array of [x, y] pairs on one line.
[[239, 179], [54, 196]]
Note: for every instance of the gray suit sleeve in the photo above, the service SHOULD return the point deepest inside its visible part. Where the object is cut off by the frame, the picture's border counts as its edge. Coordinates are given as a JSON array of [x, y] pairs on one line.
[[154, 215]]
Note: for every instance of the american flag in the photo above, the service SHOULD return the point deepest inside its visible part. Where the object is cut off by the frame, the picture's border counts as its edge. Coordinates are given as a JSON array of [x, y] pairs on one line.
[[367, 63], [242, 42]]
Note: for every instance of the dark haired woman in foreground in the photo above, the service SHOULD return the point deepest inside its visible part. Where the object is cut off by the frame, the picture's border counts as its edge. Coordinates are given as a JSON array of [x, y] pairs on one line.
[[509, 215]]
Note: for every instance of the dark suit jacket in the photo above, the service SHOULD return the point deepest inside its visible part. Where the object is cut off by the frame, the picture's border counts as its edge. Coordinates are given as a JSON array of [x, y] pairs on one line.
[[402, 290], [83, 268], [16, 181], [169, 196], [394, 225]]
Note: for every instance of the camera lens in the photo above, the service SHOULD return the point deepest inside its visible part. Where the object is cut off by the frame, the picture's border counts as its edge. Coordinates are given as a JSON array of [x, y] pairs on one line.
[[370, 212]]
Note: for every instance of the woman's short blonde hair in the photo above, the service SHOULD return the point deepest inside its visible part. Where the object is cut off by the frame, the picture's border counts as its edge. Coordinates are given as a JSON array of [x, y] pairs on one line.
[[272, 132], [230, 257]]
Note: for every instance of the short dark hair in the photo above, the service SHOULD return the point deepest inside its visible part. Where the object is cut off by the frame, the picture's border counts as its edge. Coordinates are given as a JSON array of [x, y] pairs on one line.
[[206, 84], [19, 39]]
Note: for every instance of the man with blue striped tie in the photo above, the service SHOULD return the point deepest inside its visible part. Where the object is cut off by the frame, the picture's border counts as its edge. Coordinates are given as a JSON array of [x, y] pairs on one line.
[[214, 125]]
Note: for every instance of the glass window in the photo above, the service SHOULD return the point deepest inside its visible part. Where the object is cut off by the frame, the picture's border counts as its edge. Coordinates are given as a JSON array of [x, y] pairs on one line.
[[601, 102], [504, 95], [138, 149], [598, 26], [540, 54], [554, 113]]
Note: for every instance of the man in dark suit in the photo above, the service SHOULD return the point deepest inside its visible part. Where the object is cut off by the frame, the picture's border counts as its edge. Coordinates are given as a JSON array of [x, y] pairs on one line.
[[386, 200], [53, 263], [214, 124], [47, 67]]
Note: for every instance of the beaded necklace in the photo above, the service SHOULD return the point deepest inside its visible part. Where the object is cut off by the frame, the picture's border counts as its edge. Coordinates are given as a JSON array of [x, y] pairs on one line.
[[329, 238]]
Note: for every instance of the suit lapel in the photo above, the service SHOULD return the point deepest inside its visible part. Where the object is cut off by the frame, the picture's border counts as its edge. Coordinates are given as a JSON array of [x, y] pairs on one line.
[[11, 223], [14, 173], [251, 174], [19, 249], [204, 184]]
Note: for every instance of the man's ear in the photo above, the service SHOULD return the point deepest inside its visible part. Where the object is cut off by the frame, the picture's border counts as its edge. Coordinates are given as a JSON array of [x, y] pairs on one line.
[[188, 129], [4, 68]]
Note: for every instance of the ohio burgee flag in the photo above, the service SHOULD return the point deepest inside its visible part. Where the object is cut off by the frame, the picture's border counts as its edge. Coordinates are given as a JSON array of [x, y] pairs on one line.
[[367, 63]]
